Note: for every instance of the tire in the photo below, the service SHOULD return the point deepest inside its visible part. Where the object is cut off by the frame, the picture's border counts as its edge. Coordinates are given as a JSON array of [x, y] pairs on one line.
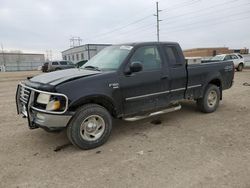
[[57, 69], [90, 127], [211, 99], [240, 67]]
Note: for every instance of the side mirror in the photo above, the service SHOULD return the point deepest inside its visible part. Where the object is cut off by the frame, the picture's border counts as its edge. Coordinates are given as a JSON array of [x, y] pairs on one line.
[[135, 66]]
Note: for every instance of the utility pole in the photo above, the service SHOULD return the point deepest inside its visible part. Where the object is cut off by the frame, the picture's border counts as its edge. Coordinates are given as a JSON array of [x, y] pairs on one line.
[[158, 21], [75, 41], [4, 62], [49, 55]]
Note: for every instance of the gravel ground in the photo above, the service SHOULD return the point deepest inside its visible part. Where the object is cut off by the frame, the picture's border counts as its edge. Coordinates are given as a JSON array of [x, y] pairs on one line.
[[187, 149]]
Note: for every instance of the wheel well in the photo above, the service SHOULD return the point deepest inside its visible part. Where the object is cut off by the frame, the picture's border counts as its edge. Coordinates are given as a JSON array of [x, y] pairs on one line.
[[217, 82], [102, 101]]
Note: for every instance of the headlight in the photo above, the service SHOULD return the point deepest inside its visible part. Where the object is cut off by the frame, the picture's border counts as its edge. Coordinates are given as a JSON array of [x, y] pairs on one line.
[[53, 105], [50, 102], [43, 98]]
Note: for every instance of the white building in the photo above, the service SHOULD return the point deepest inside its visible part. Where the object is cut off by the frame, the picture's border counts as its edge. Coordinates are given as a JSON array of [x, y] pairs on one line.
[[83, 52], [18, 61]]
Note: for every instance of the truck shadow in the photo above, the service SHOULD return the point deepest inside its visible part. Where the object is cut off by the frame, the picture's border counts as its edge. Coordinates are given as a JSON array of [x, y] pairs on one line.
[[123, 128]]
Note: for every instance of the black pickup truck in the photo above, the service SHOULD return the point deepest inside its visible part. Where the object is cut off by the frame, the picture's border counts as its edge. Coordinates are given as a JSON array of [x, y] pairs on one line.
[[128, 81]]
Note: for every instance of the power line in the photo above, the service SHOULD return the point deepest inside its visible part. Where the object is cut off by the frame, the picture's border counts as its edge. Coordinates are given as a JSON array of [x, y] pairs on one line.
[[142, 29], [186, 3], [122, 27], [127, 30], [205, 21], [177, 6], [209, 13], [201, 10], [211, 24]]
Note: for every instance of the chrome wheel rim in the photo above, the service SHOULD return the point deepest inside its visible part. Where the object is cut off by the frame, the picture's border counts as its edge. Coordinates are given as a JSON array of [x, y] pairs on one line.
[[212, 99], [92, 128]]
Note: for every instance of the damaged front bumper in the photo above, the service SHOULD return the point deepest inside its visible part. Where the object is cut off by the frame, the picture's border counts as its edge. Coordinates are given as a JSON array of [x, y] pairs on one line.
[[42, 118]]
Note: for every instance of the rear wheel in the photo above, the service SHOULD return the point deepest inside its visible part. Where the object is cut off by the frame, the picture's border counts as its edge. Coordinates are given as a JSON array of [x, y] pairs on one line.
[[210, 101], [240, 67], [90, 127]]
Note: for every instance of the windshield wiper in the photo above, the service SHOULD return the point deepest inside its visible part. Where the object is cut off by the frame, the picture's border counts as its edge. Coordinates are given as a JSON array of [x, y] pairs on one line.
[[92, 67]]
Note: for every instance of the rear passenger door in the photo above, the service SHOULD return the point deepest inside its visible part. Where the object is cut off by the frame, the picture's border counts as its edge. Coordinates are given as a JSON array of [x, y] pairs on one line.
[[177, 71], [235, 59]]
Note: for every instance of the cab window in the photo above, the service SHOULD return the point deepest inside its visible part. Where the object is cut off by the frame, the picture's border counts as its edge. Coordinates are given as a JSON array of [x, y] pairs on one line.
[[172, 55], [54, 63], [148, 56]]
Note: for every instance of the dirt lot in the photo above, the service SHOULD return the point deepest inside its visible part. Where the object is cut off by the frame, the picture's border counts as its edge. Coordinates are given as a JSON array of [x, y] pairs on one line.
[[188, 149]]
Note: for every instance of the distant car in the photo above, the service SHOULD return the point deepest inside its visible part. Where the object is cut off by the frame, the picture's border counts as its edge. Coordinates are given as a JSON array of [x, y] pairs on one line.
[[57, 65], [239, 62], [39, 68]]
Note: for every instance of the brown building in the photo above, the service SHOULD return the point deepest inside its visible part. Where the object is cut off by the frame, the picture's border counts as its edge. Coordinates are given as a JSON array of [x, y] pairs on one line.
[[208, 52]]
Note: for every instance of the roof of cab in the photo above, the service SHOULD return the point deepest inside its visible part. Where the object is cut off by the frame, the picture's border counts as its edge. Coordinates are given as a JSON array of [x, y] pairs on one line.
[[147, 43]]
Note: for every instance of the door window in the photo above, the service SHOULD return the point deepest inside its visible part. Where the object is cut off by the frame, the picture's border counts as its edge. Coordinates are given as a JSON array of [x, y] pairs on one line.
[[148, 56], [54, 63], [234, 57], [228, 57], [63, 62]]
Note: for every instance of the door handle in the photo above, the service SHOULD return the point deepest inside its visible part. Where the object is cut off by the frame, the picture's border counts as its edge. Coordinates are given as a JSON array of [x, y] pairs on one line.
[[164, 77]]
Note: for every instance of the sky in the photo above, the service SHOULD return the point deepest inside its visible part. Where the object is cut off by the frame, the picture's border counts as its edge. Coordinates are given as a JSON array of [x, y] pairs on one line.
[[42, 25]]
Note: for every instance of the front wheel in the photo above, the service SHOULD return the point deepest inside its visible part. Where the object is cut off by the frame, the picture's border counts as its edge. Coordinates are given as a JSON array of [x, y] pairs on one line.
[[90, 127], [240, 67], [211, 98]]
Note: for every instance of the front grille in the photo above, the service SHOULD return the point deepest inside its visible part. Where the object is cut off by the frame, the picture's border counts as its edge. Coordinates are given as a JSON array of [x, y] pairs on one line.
[[24, 95]]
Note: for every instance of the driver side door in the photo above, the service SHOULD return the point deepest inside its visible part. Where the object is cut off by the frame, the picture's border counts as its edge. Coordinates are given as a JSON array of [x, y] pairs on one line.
[[141, 91]]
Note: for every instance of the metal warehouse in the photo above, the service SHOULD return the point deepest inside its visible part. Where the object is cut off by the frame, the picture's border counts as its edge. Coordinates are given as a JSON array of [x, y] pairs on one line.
[[82, 52], [13, 61]]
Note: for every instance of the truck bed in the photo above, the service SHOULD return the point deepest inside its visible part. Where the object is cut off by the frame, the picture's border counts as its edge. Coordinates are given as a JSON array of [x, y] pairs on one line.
[[201, 74]]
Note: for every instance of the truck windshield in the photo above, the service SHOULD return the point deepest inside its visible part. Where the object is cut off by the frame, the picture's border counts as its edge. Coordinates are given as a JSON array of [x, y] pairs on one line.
[[218, 58], [110, 58]]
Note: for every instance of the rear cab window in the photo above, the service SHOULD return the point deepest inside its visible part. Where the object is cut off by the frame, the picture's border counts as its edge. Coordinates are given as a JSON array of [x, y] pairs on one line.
[[240, 56], [173, 56]]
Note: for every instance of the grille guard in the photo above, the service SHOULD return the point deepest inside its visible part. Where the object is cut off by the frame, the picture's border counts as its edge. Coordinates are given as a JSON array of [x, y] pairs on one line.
[[28, 103]]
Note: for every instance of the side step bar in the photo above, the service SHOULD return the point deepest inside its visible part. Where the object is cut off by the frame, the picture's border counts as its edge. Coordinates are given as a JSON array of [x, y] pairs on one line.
[[171, 109]]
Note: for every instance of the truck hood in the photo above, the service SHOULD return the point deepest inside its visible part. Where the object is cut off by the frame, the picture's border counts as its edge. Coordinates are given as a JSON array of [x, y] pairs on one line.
[[57, 77]]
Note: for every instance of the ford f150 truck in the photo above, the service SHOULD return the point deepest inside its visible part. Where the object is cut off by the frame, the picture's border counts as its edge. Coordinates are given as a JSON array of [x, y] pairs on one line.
[[128, 81]]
